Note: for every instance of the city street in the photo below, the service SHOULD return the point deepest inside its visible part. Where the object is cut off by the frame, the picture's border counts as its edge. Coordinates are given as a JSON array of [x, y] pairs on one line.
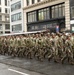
[[22, 66], [36, 37], [10, 70]]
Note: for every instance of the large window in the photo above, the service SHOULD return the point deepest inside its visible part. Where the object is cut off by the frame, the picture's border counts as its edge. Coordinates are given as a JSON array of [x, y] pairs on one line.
[[16, 17], [72, 12], [43, 14], [58, 11], [16, 28], [50, 25], [32, 17], [16, 6], [47, 13]]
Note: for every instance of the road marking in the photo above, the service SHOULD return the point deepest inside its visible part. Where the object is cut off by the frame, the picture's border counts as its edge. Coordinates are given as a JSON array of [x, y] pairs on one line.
[[17, 72]]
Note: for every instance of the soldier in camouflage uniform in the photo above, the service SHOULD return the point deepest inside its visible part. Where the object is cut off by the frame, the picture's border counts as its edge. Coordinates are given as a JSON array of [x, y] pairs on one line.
[[68, 53], [52, 48], [58, 47]]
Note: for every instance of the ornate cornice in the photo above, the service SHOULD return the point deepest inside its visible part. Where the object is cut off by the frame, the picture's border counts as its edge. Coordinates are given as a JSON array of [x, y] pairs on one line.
[[37, 4]]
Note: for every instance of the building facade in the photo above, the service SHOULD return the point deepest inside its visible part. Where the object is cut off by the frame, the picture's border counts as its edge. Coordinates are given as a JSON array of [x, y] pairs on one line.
[[4, 16], [46, 14], [72, 15], [16, 15]]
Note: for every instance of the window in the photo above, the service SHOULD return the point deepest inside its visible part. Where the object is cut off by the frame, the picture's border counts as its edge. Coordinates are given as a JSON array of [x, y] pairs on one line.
[[43, 14], [72, 28], [16, 6], [28, 2], [16, 28], [72, 12], [5, 2], [33, 1], [0, 9], [49, 26], [32, 17], [1, 27], [16, 17], [0, 2], [58, 11], [6, 18], [38, 0], [34, 27], [0, 17], [43, 27], [63, 9], [7, 26], [52, 10], [6, 10]]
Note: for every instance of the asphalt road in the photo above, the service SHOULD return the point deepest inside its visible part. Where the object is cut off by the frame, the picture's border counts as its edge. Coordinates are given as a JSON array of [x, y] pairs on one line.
[[33, 67], [10, 70]]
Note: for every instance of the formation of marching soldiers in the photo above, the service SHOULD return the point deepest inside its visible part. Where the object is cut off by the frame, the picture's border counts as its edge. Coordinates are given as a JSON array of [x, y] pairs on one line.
[[56, 46]]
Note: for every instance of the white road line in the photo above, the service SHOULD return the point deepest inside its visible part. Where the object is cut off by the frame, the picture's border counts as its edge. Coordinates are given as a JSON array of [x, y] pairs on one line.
[[17, 72]]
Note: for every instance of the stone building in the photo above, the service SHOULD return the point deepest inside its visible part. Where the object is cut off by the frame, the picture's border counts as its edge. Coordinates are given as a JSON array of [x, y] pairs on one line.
[[46, 14], [4, 16]]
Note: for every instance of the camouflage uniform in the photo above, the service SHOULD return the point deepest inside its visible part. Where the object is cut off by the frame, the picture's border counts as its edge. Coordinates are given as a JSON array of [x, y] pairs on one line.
[[68, 53]]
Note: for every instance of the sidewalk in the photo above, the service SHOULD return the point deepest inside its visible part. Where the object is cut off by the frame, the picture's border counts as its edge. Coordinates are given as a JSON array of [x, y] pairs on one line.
[[45, 68]]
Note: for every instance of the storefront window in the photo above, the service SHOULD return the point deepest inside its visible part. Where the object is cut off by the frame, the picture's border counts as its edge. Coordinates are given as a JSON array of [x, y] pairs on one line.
[[49, 26], [34, 27]]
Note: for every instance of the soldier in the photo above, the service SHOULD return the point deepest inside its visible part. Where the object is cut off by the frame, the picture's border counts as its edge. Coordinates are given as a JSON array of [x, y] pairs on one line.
[[59, 47], [68, 54], [52, 48]]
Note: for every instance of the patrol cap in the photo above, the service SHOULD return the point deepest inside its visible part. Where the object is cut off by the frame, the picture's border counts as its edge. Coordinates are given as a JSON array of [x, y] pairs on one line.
[[52, 33], [48, 33]]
